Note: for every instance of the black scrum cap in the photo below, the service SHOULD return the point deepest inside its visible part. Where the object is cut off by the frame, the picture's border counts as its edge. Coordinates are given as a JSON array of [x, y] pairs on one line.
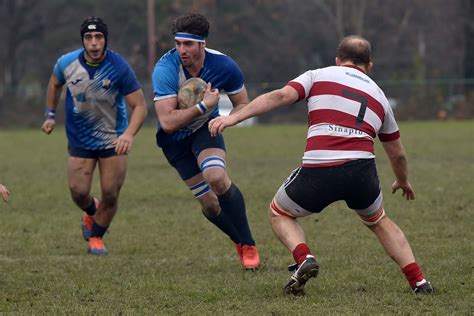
[[94, 24]]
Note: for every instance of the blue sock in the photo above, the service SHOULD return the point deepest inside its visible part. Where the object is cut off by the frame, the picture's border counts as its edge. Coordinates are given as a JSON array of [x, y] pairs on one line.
[[223, 223], [233, 204], [90, 210], [98, 231]]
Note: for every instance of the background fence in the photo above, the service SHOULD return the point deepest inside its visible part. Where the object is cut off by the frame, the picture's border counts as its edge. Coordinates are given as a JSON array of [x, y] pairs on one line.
[[410, 100]]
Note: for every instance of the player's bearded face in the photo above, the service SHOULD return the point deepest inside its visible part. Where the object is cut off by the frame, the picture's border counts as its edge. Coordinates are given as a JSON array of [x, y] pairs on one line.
[[94, 44], [191, 52]]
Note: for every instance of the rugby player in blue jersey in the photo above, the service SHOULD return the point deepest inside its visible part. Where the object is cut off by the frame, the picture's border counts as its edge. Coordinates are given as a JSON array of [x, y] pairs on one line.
[[100, 83], [183, 134]]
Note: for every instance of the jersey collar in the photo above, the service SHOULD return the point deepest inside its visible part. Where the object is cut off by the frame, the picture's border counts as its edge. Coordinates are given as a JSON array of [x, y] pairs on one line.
[[355, 67]]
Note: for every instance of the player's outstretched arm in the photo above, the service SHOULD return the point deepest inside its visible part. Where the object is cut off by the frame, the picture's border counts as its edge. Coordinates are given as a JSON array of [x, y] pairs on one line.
[[135, 100], [397, 156], [4, 192], [260, 105], [52, 99]]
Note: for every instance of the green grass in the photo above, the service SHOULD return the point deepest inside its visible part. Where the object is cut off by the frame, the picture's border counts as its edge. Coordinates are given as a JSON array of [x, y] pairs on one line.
[[165, 258]]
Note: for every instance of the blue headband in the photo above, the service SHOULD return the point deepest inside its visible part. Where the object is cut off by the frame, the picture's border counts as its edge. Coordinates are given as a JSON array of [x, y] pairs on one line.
[[190, 37]]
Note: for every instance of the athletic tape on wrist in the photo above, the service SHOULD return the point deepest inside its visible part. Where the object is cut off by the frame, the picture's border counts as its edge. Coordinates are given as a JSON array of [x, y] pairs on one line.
[[201, 106], [51, 114]]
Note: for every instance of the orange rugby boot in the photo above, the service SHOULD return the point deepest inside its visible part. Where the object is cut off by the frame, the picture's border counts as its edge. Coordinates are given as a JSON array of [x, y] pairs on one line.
[[250, 258], [96, 246]]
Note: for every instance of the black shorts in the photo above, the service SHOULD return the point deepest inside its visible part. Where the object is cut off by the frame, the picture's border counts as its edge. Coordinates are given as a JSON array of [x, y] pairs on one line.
[[91, 154], [355, 182], [182, 155]]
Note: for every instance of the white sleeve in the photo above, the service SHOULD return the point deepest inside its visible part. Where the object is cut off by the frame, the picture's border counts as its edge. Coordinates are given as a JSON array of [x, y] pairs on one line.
[[306, 81]]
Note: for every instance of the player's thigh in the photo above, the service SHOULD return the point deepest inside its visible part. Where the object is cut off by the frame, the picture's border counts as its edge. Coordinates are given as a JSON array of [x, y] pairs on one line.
[[213, 166], [112, 173], [313, 189], [80, 172], [210, 152], [306, 191], [203, 140], [363, 193], [181, 157], [284, 205], [212, 161]]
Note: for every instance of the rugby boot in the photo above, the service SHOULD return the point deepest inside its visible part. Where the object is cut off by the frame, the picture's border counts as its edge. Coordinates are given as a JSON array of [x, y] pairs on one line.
[[309, 268], [238, 247], [250, 258], [87, 222], [423, 287], [96, 246]]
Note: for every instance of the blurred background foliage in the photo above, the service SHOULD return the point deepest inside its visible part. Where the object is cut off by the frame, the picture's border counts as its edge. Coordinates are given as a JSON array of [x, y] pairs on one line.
[[423, 50]]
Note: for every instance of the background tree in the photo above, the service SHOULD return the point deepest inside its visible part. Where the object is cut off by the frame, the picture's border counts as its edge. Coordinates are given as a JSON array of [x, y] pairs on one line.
[[419, 46]]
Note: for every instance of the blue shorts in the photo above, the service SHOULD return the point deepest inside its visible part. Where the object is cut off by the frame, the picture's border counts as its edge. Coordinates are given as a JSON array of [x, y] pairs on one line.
[[182, 155], [91, 154]]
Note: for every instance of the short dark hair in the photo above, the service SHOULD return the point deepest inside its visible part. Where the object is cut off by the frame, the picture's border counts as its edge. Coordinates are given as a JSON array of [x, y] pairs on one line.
[[354, 48], [192, 23]]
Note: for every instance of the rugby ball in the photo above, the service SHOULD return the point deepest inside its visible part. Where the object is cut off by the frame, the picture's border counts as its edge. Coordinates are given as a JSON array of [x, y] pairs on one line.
[[191, 92]]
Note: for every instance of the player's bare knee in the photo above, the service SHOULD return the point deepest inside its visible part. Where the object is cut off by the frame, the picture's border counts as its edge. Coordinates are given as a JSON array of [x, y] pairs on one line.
[[217, 182], [109, 200], [211, 209], [207, 199], [213, 170], [79, 197]]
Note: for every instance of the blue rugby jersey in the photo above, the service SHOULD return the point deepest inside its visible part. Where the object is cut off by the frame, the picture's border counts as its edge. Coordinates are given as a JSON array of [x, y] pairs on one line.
[[96, 112], [219, 69]]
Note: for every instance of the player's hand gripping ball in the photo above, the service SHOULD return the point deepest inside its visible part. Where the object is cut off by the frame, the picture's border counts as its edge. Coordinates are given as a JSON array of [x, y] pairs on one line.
[[191, 92]]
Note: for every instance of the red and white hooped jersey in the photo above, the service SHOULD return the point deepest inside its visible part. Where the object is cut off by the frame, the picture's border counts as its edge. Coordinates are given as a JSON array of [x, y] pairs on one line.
[[346, 111]]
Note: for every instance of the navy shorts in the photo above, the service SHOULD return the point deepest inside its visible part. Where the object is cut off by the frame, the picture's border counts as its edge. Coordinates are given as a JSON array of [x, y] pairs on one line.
[[182, 154], [91, 154], [355, 182]]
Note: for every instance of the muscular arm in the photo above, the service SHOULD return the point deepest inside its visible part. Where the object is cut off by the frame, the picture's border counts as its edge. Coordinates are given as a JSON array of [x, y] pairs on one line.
[[239, 100], [52, 99], [54, 92], [172, 119], [135, 100], [262, 104], [397, 156]]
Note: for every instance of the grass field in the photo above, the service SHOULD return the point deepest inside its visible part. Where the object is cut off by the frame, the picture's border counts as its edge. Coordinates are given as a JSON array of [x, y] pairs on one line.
[[165, 258]]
